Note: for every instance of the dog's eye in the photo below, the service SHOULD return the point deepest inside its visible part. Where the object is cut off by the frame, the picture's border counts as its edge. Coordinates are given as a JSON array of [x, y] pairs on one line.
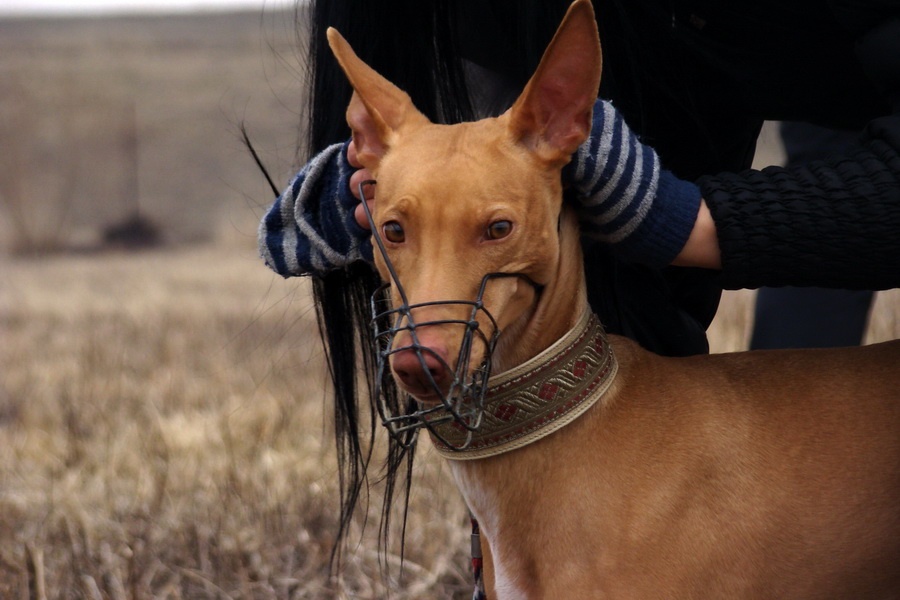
[[393, 232], [499, 229]]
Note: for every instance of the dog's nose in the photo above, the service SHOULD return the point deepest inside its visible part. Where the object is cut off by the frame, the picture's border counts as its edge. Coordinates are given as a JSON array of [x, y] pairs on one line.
[[423, 371]]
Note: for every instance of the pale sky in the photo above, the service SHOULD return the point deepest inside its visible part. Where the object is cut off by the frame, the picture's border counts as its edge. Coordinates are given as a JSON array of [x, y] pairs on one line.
[[89, 7]]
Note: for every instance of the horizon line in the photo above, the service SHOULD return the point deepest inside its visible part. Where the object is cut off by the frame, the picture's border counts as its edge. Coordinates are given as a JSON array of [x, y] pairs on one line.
[[56, 9]]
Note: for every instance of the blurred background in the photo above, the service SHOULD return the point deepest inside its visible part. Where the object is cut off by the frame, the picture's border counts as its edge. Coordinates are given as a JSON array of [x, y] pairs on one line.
[[131, 119], [164, 430]]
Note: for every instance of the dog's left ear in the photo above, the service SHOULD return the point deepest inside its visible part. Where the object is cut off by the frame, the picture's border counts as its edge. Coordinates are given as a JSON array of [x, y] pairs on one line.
[[553, 114], [378, 111]]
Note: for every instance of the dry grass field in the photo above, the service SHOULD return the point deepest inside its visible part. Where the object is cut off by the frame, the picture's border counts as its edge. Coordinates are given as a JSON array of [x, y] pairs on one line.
[[162, 434], [163, 421], [102, 118]]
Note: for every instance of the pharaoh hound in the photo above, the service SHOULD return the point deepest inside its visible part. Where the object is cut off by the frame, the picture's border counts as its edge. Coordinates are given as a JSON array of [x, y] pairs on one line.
[[597, 469]]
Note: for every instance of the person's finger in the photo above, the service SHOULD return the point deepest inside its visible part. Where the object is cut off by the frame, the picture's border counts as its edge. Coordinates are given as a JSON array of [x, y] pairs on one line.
[[352, 157], [358, 177], [360, 214]]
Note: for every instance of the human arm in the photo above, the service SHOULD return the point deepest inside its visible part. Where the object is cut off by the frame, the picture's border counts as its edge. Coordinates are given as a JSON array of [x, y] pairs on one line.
[[627, 200], [831, 223]]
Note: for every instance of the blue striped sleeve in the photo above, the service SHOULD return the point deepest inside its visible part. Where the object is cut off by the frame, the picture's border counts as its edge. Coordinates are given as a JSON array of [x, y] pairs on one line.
[[310, 229]]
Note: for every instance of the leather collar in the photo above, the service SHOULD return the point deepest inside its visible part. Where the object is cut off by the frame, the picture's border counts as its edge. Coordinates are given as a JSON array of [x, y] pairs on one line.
[[535, 399]]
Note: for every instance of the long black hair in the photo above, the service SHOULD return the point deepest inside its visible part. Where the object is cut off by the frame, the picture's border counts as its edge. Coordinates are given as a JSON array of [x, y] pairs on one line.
[[408, 41], [421, 46], [416, 45]]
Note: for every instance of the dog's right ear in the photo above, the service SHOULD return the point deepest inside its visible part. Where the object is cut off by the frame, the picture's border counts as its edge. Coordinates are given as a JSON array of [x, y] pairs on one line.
[[378, 111], [552, 116]]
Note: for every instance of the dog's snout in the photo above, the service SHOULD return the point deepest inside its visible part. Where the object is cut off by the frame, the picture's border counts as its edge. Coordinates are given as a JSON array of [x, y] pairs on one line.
[[422, 371]]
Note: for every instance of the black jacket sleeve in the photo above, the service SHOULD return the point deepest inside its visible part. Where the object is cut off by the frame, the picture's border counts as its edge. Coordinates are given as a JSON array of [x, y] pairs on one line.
[[832, 223]]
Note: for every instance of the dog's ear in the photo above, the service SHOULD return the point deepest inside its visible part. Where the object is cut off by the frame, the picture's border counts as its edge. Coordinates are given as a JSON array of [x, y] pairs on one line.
[[378, 111], [553, 114]]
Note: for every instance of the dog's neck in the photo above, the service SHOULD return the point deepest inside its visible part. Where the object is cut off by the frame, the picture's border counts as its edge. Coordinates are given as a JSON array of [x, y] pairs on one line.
[[538, 398], [557, 309], [484, 483], [561, 365]]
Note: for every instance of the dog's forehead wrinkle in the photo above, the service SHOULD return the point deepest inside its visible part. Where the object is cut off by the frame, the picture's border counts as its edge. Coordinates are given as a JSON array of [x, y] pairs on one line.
[[423, 179], [447, 185], [467, 147]]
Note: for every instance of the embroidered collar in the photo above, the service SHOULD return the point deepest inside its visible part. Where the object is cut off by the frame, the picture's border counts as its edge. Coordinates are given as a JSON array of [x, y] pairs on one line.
[[535, 399]]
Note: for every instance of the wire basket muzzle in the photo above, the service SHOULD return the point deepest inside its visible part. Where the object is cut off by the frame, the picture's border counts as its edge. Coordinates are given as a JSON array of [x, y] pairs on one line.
[[459, 385]]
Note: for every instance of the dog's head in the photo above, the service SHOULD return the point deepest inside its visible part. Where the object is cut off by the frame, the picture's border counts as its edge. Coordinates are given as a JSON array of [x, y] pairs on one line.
[[456, 203]]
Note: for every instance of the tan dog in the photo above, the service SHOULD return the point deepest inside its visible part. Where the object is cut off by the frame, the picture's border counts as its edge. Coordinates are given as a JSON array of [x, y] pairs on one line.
[[748, 475]]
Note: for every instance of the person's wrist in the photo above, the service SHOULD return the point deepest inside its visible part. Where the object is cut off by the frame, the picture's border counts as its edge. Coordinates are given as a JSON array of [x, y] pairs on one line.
[[702, 247], [665, 229], [625, 198], [614, 176]]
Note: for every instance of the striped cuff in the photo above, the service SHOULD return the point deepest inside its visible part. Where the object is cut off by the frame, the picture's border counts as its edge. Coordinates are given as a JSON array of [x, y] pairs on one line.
[[662, 234], [625, 198], [311, 228]]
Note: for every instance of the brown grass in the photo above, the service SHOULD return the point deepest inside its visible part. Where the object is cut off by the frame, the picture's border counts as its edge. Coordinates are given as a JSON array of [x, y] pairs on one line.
[[163, 435]]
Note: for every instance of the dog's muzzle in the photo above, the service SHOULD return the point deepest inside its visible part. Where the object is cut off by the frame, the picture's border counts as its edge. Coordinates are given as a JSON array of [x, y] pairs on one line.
[[460, 395]]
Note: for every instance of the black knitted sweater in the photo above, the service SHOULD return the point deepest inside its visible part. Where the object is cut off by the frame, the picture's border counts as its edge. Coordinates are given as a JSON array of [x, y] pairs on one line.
[[835, 222], [699, 78]]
